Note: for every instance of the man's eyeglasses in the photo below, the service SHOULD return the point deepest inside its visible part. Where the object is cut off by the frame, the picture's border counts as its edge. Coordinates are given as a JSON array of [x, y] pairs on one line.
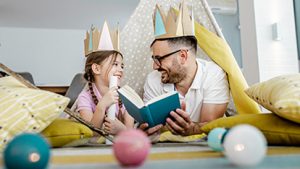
[[157, 59]]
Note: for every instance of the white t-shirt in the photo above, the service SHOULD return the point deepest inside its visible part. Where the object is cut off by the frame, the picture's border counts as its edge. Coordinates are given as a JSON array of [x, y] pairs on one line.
[[210, 85]]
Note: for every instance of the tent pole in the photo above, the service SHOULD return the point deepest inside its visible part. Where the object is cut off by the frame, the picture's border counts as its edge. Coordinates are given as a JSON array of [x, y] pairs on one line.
[[212, 18]]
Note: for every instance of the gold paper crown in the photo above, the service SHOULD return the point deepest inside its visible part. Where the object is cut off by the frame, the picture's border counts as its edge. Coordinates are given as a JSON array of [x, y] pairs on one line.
[[173, 25], [101, 41]]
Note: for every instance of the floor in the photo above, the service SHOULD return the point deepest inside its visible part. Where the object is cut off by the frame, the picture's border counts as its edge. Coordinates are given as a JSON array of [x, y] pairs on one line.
[[168, 155]]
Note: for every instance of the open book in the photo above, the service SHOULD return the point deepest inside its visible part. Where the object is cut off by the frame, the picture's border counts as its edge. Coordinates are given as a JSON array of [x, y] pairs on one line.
[[153, 112]]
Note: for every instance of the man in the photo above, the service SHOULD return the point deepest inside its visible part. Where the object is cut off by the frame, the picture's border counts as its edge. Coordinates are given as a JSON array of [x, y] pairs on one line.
[[202, 85]]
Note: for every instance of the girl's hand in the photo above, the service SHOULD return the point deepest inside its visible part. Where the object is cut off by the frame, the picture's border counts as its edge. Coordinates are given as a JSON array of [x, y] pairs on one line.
[[113, 127], [109, 98]]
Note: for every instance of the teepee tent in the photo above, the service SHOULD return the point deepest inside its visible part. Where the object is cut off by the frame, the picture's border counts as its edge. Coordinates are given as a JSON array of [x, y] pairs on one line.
[[137, 36]]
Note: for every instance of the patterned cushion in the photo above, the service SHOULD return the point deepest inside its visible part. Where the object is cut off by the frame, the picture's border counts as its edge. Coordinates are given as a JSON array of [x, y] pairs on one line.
[[280, 95], [26, 110]]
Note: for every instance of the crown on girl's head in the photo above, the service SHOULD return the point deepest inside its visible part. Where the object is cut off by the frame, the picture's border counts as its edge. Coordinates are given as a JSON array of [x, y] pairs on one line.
[[101, 41], [173, 25]]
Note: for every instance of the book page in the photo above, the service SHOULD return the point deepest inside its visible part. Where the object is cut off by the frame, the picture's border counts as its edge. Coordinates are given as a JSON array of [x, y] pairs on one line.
[[155, 99], [131, 95]]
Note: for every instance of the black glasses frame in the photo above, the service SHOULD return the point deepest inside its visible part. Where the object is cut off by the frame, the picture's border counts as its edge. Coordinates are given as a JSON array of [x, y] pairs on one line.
[[157, 59]]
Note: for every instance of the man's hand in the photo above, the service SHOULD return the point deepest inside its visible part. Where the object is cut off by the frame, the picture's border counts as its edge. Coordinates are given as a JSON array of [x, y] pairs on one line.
[[153, 132], [181, 123]]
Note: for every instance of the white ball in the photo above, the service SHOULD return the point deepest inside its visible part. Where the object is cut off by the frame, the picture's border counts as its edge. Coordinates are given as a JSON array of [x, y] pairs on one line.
[[245, 145]]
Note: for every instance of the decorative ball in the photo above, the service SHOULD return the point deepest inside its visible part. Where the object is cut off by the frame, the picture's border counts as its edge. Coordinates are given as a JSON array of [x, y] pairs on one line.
[[30, 151], [245, 145], [131, 147], [215, 138]]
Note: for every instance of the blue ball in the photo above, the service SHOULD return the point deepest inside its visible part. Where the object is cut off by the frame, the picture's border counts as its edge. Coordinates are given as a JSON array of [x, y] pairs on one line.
[[215, 138], [30, 151]]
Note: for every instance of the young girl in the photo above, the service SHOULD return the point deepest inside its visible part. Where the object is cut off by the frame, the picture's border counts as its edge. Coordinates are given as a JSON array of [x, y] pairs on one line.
[[94, 102]]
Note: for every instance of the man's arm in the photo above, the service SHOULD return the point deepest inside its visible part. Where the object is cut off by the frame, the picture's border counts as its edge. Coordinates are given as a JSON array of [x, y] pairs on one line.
[[216, 96], [211, 112]]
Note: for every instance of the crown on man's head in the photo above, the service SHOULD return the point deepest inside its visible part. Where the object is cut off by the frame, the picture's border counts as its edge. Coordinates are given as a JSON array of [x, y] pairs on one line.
[[101, 41], [173, 25]]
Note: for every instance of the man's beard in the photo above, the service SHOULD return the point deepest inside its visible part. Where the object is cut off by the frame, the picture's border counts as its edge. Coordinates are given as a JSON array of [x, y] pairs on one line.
[[175, 75]]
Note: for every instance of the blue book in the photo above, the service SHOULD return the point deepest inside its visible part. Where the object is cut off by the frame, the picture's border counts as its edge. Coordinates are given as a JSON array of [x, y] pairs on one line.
[[153, 112]]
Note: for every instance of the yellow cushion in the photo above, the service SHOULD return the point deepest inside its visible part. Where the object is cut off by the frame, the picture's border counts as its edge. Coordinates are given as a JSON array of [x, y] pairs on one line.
[[218, 50], [64, 131], [280, 95], [278, 131], [88, 141], [26, 110], [167, 136]]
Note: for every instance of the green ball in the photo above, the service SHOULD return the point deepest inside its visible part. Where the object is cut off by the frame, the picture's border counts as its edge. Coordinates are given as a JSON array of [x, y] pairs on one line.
[[30, 151], [215, 138]]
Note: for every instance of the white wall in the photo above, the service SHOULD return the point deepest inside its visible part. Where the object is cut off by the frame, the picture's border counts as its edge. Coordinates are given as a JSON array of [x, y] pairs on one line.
[[263, 57], [278, 57], [46, 37], [249, 41], [53, 56]]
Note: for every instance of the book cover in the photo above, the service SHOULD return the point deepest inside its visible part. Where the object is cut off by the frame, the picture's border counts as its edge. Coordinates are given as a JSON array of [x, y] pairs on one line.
[[153, 112]]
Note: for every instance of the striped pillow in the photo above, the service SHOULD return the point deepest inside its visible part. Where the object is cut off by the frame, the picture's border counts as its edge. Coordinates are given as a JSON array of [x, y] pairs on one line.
[[26, 110]]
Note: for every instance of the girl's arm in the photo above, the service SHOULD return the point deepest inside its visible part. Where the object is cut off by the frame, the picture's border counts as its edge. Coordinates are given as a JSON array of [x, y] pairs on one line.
[[95, 118], [115, 126]]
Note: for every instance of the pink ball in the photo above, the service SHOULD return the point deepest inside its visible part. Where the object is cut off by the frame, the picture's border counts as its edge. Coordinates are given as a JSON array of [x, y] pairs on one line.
[[131, 147]]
